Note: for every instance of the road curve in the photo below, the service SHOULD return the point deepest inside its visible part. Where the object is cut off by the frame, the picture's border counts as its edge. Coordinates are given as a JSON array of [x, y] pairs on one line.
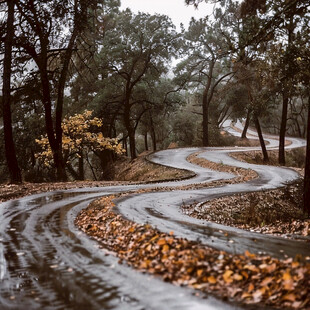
[[47, 263]]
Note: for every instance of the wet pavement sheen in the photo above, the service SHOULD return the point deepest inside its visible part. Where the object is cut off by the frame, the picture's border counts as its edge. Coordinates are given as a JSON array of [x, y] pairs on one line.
[[47, 263]]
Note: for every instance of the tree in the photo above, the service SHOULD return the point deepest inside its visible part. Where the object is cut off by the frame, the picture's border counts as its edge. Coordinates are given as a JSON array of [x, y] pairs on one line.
[[277, 22], [15, 173], [79, 141], [43, 44], [207, 63], [162, 98], [135, 54], [303, 62]]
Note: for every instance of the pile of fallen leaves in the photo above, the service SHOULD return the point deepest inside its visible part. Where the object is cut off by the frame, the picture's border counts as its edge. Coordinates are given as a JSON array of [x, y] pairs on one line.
[[141, 169], [247, 278], [294, 158], [242, 175], [276, 212]]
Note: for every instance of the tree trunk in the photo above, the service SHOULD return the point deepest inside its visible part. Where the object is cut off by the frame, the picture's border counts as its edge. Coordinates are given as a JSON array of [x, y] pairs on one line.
[[154, 140], [130, 128], [81, 166], [54, 143], [307, 168], [153, 135], [106, 162], [283, 129], [132, 143], [205, 120], [125, 144], [261, 139], [246, 125], [145, 142], [59, 164], [10, 152]]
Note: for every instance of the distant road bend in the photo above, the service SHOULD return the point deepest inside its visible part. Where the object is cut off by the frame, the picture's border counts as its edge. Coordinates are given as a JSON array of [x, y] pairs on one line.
[[47, 263]]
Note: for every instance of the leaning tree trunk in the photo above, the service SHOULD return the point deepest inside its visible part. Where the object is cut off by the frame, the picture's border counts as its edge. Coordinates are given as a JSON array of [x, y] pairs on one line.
[[283, 129], [307, 168], [261, 139], [10, 153], [246, 125]]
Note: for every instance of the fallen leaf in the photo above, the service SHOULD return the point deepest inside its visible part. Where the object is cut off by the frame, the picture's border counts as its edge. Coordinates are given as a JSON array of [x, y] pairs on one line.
[[199, 272], [161, 242], [251, 287], [249, 255], [227, 276], [253, 268], [257, 296], [165, 248], [246, 295], [286, 276], [237, 277], [289, 297], [289, 285], [212, 280], [266, 281], [271, 268]]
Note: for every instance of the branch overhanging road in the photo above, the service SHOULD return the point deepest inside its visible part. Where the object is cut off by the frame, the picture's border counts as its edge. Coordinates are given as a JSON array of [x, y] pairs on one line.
[[47, 263]]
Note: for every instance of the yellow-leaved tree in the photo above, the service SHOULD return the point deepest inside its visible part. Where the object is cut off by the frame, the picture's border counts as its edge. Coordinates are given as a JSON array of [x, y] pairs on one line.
[[80, 142]]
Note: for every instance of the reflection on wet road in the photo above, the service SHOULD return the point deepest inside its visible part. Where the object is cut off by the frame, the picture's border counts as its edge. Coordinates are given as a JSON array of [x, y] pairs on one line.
[[47, 263]]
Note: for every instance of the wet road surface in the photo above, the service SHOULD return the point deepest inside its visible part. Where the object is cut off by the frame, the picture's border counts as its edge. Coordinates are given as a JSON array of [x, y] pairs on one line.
[[47, 263]]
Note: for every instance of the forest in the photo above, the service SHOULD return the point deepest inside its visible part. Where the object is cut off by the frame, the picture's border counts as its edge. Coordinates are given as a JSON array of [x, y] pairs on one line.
[[84, 82]]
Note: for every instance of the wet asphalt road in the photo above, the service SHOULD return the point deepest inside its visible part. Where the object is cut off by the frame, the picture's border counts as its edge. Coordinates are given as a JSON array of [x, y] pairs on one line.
[[47, 263]]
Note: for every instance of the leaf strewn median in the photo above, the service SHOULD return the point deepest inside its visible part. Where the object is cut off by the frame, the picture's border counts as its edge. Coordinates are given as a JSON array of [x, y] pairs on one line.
[[247, 278]]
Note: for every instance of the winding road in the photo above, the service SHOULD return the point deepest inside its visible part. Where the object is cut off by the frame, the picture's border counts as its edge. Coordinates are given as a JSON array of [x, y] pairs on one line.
[[47, 263]]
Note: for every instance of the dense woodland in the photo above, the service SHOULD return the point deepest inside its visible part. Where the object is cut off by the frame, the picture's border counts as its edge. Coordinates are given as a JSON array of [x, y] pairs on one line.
[[84, 82]]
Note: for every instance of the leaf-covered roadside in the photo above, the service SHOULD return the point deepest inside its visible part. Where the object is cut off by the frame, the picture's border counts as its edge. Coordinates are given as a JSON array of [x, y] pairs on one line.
[[248, 278], [277, 212], [242, 175]]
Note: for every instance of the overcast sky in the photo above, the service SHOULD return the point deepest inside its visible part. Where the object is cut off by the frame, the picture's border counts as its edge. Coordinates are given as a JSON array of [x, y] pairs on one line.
[[175, 9]]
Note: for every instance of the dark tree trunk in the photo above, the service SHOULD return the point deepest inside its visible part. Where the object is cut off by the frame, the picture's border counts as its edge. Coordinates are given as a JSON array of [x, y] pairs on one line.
[[261, 139], [10, 152], [298, 128], [307, 168], [130, 129], [283, 129], [153, 134], [145, 142], [205, 120], [54, 143], [60, 165], [246, 125], [125, 144], [106, 162], [132, 143], [58, 159], [154, 140], [81, 166]]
